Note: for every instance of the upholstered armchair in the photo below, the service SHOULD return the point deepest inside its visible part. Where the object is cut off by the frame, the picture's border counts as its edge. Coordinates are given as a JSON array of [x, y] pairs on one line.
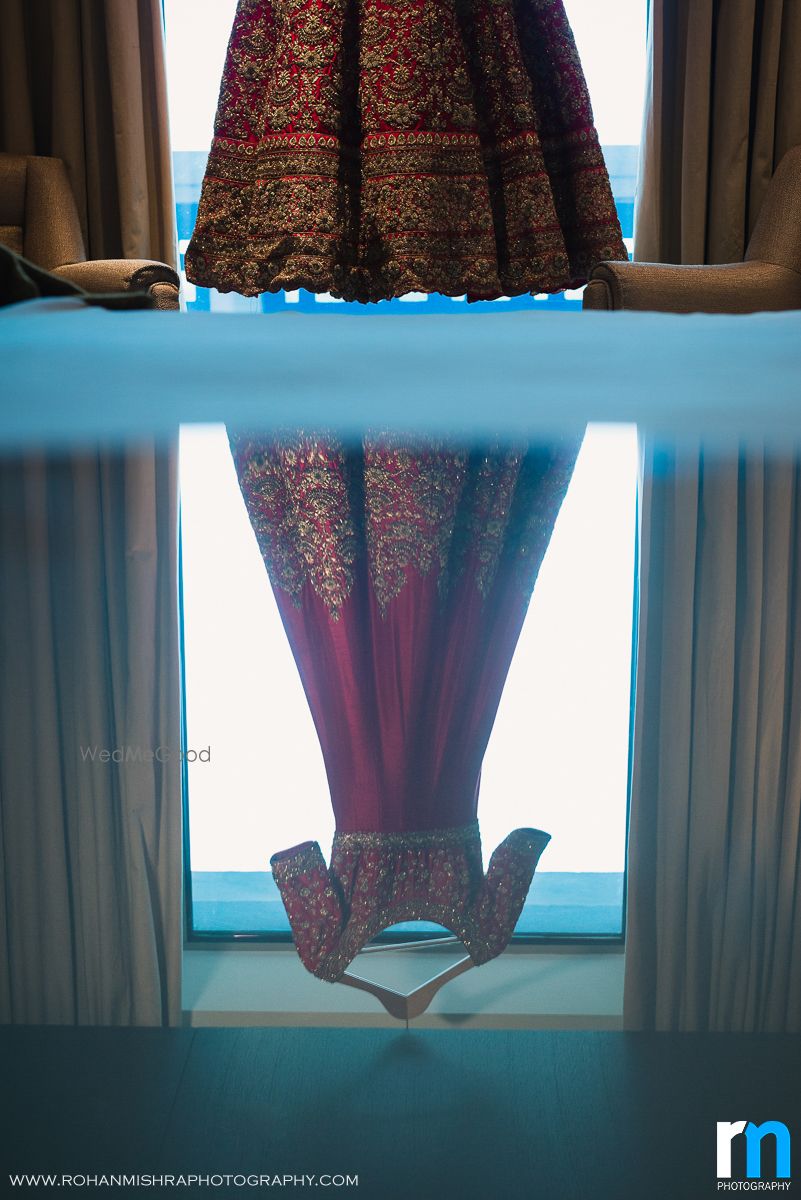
[[768, 279], [39, 220]]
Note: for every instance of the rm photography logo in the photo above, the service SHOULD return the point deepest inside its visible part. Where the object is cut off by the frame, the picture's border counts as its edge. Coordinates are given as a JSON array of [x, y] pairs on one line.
[[778, 1164]]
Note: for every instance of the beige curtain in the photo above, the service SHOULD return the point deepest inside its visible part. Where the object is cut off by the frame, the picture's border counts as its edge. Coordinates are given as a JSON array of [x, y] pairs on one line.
[[90, 850], [714, 896], [714, 874], [723, 105], [90, 847], [84, 80]]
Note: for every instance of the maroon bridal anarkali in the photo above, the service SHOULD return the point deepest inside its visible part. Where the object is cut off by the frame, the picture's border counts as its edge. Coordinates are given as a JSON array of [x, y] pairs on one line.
[[402, 570], [369, 148]]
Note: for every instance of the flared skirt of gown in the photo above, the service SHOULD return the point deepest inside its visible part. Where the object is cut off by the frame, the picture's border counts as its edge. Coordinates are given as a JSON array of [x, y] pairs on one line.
[[402, 568], [370, 148]]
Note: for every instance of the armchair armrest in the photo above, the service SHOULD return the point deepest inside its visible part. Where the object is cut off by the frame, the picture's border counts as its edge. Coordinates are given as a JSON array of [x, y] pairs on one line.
[[124, 275], [658, 287]]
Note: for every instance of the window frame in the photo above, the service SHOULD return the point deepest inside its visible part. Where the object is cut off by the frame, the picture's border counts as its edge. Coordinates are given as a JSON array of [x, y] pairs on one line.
[[197, 938], [194, 938]]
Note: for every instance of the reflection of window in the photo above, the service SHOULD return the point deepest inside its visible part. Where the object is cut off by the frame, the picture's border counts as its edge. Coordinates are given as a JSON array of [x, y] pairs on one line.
[[558, 753], [613, 56], [559, 750]]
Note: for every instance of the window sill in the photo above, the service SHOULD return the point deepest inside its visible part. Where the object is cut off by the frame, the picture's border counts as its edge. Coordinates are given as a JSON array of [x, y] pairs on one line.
[[530, 987]]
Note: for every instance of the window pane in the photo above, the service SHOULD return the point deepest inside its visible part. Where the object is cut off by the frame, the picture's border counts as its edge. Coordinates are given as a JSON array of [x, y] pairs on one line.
[[558, 754], [559, 750]]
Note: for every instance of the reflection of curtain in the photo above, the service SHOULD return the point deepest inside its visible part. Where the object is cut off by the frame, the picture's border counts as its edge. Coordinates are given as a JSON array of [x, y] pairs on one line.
[[402, 571], [85, 81], [90, 850], [715, 851]]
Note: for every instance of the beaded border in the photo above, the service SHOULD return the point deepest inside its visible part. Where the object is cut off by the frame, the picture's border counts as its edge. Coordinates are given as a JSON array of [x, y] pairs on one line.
[[411, 839]]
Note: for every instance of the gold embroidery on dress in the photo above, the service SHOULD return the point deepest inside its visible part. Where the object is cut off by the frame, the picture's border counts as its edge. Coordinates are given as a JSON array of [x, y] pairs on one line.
[[464, 157], [381, 879], [421, 505]]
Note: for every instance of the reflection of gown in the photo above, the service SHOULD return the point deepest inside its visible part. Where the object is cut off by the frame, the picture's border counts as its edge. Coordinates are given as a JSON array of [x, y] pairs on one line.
[[371, 148], [402, 570]]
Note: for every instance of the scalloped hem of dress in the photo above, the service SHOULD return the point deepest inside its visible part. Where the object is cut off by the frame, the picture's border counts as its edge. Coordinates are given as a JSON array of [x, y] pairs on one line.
[[248, 277], [355, 938], [360, 857]]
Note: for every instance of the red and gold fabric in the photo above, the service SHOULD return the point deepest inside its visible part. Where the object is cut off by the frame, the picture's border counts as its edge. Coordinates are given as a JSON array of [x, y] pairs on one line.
[[371, 148], [402, 570]]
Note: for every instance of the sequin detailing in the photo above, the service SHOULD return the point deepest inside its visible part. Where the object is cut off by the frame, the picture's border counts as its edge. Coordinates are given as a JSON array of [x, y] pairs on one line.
[[430, 838], [379, 879], [412, 493], [370, 148], [323, 512], [297, 490]]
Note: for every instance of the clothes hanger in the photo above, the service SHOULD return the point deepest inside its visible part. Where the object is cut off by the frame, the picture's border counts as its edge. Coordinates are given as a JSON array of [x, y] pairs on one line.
[[407, 1005]]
